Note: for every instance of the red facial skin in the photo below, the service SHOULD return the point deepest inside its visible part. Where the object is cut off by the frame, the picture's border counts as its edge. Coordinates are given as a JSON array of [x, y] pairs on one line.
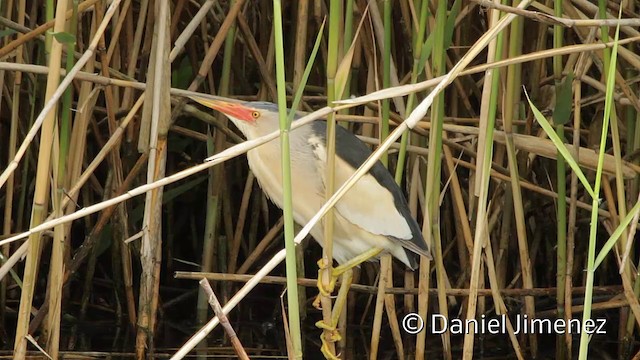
[[237, 111]]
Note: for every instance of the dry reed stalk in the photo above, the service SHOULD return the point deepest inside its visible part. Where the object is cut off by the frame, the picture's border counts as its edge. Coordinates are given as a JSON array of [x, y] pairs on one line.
[[265, 73], [262, 245], [460, 210], [157, 112], [299, 60], [240, 222], [525, 261], [55, 96], [135, 49], [385, 263], [453, 292], [390, 308], [300, 47], [501, 309], [217, 309], [41, 196], [573, 194], [614, 303], [82, 7], [85, 250], [423, 301]]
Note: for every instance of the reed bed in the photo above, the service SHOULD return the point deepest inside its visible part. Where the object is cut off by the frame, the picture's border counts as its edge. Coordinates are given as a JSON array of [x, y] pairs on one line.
[[510, 126]]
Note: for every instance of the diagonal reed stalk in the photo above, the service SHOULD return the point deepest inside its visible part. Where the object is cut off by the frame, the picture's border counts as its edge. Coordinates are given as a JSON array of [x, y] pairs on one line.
[[59, 91]]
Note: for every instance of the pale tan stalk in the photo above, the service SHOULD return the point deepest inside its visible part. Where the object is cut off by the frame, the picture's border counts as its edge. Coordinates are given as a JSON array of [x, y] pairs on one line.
[[41, 190], [160, 116]]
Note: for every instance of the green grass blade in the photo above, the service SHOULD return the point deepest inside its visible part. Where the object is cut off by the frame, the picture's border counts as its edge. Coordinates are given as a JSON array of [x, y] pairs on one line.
[[560, 146], [611, 75], [305, 75], [616, 235], [344, 68]]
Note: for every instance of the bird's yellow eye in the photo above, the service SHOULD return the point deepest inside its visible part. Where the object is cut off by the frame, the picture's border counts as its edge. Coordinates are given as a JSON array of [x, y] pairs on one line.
[[255, 114]]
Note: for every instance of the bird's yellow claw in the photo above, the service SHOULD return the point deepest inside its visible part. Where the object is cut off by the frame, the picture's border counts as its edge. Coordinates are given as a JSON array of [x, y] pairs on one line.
[[316, 303], [326, 352], [332, 336], [332, 282]]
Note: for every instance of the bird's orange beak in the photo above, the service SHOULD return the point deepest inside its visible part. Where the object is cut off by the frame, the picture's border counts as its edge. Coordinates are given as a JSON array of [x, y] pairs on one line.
[[237, 111]]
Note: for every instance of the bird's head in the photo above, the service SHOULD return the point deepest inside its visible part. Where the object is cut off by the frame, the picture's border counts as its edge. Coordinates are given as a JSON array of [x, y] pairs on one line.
[[253, 118]]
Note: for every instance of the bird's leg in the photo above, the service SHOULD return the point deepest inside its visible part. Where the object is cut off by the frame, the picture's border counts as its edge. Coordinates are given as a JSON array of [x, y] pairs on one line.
[[356, 261], [339, 270], [346, 270], [333, 335]]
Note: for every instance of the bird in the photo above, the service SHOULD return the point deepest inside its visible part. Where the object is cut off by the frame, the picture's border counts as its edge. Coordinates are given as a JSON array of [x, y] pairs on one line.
[[374, 214], [371, 218]]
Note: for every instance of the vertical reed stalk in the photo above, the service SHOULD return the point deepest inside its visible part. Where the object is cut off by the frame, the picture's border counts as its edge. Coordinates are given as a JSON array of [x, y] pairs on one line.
[[335, 20], [385, 262], [41, 195], [434, 169], [415, 72], [512, 103], [386, 75], [285, 127], [56, 271], [159, 116], [300, 50], [561, 185]]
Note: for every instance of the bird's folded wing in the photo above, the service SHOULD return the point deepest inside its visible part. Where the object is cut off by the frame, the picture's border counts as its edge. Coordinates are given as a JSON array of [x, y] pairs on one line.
[[368, 204]]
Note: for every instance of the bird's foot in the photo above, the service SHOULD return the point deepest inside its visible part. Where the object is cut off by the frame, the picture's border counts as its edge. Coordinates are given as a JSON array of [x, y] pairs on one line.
[[326, 290], [317, 302], [337, 272], [330, 335]]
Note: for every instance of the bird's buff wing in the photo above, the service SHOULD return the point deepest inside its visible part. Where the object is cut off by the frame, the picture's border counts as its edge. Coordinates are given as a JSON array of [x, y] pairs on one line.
[[368, 204]]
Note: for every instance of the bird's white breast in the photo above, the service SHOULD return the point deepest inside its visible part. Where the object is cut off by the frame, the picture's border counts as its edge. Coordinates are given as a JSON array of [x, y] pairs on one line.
[[266, 163]]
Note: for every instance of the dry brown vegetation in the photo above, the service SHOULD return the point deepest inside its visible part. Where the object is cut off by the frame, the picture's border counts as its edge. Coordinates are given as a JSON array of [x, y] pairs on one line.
[[117, 157]]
